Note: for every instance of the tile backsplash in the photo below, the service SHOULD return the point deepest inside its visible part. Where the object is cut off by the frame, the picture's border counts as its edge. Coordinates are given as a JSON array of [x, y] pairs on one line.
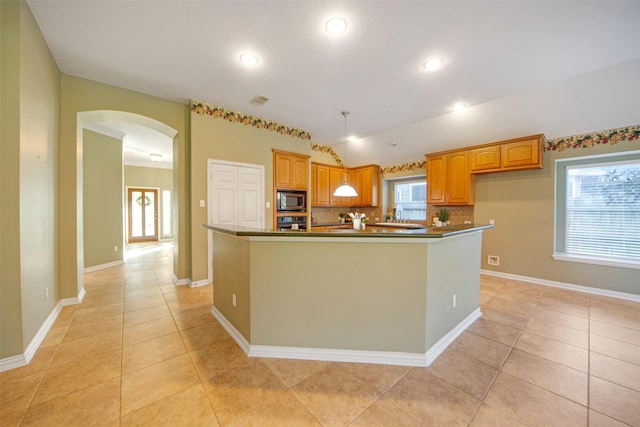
[[457, 214]]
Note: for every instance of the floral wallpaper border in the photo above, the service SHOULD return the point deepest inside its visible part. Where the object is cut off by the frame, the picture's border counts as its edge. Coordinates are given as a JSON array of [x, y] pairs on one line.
[[205, 109], [589, 140], [405, 167], [328, 150]]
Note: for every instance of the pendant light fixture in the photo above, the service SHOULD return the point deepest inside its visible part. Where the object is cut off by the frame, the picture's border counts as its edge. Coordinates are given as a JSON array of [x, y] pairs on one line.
[[345, 190]]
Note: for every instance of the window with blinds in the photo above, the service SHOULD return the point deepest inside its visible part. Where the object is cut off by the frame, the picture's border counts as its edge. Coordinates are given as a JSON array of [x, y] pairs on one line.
[[598, 210], [411, 199]]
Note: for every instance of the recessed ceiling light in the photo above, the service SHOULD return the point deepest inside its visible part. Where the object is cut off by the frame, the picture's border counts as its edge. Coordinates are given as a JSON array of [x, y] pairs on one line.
[[336, 25], [458, 106], [248, 59], [433, 64]]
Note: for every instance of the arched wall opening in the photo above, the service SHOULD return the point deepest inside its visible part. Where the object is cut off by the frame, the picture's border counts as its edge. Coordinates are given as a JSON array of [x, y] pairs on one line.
[[90, 120]]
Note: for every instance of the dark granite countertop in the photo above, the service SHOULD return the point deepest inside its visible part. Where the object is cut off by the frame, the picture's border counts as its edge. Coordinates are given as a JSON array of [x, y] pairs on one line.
[[370, 231]]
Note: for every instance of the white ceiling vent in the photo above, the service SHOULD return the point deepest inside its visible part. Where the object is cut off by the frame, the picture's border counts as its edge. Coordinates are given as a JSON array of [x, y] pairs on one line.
[[259, 99]]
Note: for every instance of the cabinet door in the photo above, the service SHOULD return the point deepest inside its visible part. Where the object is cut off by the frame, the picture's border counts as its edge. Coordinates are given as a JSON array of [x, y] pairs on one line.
[[354, 178], [522, 154], [300, 172], [313, 193], [436, 191], [458, 178], [485, 159], [369, 187], [283, 171], [336, 179], [323, 185]]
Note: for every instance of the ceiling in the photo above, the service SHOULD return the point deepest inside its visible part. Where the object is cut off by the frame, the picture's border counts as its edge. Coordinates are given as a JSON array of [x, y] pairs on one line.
[[183, 50]]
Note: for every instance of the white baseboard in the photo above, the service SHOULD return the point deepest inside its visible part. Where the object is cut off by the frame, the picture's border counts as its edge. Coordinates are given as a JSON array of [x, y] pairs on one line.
[[353, 356], [231, 330], [103, 266], [432, 354], [199, 283], [563, 285], [180, 282], [24, 359]]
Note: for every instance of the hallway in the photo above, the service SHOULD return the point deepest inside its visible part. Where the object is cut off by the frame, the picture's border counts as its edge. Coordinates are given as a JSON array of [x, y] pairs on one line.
[[142, 351]]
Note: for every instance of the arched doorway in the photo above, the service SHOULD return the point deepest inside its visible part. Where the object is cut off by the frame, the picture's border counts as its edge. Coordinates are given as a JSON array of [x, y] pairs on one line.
[[122, 126]]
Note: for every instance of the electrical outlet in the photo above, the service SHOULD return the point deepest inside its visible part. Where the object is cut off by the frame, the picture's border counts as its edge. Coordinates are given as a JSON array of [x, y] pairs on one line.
[[455, 302], [493, 260], [268, 205], [202, 203], [233, 299], [492, 221], [115, 248], [46, 293]]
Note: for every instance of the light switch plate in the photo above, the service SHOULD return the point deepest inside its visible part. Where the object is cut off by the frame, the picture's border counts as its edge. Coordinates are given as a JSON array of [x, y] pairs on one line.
[[202, 203]]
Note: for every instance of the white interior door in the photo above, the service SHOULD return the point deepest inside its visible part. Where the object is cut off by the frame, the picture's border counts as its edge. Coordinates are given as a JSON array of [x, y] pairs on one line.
[[223, 198], [235, 197], [250, 192]]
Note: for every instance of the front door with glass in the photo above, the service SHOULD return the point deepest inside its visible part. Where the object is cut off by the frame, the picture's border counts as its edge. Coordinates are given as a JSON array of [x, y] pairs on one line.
[[143, 215]]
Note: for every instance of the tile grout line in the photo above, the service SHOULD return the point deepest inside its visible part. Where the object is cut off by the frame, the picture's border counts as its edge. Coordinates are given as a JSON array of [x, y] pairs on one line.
[[589, 364], [124, 285], [499, 371]]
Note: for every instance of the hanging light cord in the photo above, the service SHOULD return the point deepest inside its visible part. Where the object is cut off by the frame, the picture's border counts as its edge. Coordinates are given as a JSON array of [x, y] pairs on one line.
[[345, 114]]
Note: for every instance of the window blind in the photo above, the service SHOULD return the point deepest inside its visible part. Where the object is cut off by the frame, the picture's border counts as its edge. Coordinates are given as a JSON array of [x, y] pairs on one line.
[[603, 210]]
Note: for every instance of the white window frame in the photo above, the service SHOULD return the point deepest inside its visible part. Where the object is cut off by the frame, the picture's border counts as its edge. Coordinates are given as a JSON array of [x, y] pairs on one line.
[[407, 180], [561, 167]]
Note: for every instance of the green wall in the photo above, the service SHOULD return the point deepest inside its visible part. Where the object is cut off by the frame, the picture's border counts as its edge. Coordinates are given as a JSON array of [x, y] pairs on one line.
[[522, 205], [216, 138], [30, 94], [138, 176], [81, 100], [102, 199]]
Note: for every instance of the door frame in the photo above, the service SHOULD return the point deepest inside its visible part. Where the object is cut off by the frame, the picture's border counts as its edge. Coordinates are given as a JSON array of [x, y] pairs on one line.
[[158, 213], [210, 164]]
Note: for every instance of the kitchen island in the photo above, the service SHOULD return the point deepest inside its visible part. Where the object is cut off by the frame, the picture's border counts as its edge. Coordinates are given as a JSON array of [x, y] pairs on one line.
[[381, 295]]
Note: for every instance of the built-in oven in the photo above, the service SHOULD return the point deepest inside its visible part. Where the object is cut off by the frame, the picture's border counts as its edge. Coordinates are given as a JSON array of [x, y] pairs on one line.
[[292, 222], [291, 201]]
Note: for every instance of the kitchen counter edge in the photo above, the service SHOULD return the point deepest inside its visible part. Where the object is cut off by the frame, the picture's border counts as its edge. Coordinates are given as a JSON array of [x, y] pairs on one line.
[[376, 232]]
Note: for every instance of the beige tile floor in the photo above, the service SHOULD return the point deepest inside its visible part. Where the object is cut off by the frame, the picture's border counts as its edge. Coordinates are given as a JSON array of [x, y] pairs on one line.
[[141, 351]]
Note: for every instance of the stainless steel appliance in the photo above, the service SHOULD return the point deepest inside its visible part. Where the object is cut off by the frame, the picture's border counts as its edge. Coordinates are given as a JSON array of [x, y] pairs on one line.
[[287, 222], [291, 201]]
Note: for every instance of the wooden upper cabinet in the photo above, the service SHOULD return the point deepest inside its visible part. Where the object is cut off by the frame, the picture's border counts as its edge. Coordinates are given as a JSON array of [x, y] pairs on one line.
[[370, 188], [436, 192], [320, 185], [354, 178], [365, 180], [514, 154], [449, 181], [336, 179], [459, 181], [524, 153], [313, 193], [291, 171], [485, 158]]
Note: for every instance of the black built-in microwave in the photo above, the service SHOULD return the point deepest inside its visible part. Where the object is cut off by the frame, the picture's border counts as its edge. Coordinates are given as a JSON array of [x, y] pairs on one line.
[[291, 201]]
